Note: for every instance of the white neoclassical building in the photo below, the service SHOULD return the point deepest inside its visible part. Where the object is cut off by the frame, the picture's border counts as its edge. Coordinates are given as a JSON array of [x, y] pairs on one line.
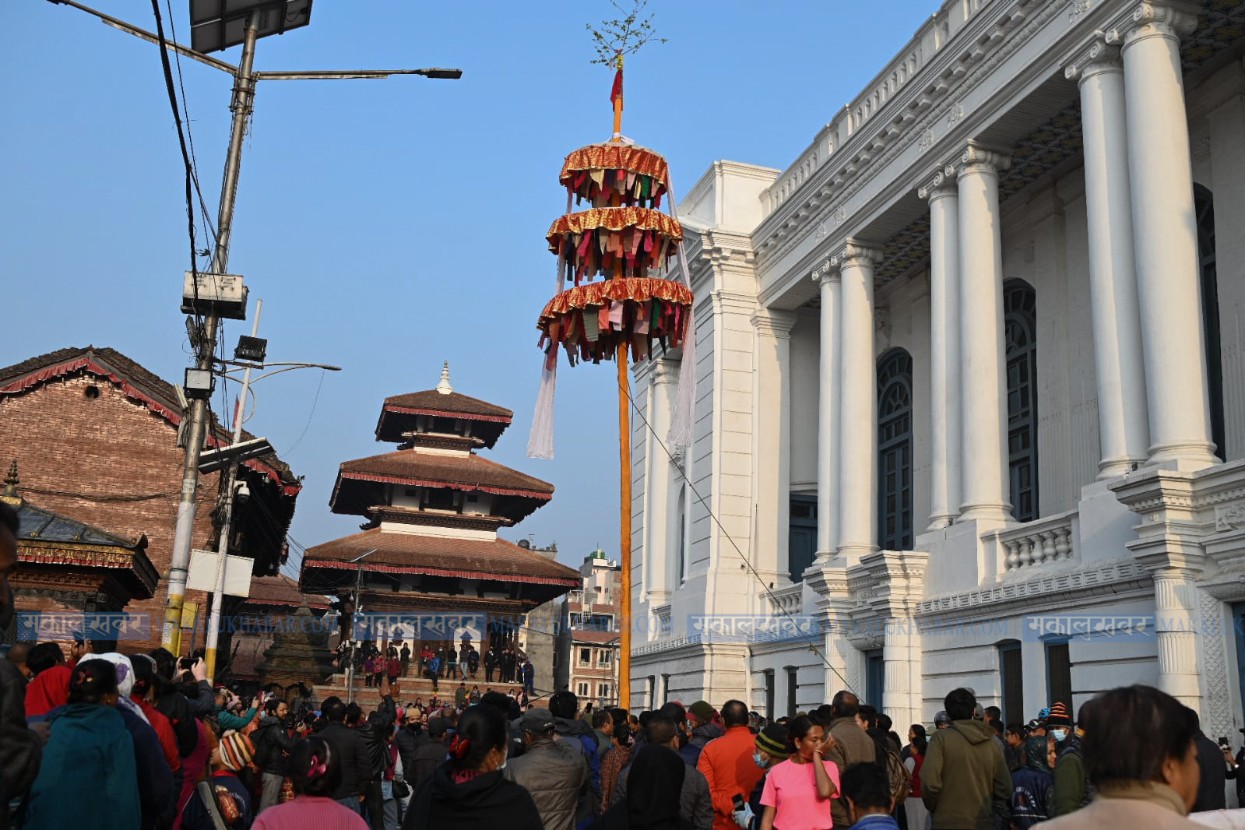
[[971, 381]]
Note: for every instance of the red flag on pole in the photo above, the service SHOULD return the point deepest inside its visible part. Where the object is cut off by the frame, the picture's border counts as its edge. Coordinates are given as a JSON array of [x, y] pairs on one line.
[[616, 91]]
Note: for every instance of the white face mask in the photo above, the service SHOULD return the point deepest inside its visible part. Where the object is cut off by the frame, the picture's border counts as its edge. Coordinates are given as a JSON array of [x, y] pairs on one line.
[[1059, 734], [760, 760]]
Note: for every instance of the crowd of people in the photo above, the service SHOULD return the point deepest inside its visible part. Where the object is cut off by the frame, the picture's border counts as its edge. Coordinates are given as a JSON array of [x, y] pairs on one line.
[[436, 662], [109, 740]]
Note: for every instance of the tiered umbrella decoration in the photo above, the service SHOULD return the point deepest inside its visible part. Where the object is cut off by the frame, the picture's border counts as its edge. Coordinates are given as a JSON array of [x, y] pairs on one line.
[[615, 254]]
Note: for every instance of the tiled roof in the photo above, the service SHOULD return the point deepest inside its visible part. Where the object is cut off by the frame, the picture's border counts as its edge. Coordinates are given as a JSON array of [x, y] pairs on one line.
[[496, 560], [281, 590], [452, 405], [157, 392], [57, 541], [400, 411], [417, 469]]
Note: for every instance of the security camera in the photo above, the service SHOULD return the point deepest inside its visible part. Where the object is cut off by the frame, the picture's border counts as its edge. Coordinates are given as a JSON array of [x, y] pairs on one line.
[[242, 492]]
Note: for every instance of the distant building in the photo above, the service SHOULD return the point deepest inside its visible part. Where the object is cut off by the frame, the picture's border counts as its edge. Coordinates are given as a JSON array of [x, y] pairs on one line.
[[588, 645]]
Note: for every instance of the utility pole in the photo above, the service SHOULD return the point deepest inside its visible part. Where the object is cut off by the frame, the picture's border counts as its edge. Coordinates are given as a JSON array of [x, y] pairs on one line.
[[242, 105], [259, 14]]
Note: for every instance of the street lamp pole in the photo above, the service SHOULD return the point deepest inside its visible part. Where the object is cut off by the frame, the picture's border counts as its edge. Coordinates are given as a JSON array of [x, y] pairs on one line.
[[231, 478], [358, 586], [242, 105]]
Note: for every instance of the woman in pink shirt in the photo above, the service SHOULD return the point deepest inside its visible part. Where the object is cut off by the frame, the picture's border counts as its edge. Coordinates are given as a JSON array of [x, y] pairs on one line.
[[315, 773], [798, 791]]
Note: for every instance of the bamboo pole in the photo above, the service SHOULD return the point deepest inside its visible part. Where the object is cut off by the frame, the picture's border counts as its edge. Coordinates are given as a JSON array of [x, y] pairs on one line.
[[624, 541]]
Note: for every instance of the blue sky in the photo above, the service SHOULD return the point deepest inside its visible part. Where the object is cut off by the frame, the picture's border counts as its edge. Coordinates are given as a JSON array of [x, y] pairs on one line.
[[387, 225]]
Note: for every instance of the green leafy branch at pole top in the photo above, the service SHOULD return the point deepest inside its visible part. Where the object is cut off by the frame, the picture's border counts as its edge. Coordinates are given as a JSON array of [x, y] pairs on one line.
[[625, 35]]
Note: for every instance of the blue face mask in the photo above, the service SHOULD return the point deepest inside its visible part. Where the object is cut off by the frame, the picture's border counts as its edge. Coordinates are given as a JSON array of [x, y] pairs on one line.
[[1059, 734], [760, 759]]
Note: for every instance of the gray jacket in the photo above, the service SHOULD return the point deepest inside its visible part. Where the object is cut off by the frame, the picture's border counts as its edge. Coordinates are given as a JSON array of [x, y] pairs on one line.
[[555, 774], [695, 803]]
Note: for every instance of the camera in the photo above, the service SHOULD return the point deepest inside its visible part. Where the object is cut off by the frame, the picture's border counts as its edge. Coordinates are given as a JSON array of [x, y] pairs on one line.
[[242, 492], [738, 802]]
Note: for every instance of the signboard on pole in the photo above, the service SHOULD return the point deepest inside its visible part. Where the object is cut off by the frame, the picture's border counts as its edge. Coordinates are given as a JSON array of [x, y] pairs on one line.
[[202, 575], [190, 612]]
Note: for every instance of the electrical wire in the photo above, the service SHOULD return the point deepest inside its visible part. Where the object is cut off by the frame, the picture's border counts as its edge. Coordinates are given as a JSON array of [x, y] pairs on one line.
[[813, 646], [205, 214], [315, 401], [187, 165]]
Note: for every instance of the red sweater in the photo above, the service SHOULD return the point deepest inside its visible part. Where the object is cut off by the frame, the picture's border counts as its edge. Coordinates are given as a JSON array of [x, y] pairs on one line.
[[727, 764], [49, 689]]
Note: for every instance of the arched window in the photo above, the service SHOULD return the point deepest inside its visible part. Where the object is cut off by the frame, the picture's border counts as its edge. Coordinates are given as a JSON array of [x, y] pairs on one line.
[[1020, 335], [1204, 207], [895, 450]]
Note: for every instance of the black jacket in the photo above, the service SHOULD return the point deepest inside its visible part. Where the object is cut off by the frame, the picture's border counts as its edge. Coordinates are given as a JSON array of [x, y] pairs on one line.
[[20, 749], [376, 733], [424, 762], [351, 747], [486, 802], [271, 742], [408, 740], [1210, 795]]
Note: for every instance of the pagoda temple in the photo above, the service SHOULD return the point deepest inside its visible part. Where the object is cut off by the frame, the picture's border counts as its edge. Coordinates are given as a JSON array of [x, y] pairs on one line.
[[433, 509]]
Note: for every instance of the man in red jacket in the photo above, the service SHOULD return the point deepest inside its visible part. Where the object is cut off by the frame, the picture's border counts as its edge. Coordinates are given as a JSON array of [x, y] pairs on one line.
[[727, 764]]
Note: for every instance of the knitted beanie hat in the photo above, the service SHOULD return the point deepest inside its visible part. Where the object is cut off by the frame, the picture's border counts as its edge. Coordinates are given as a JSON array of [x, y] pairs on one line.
[[772, 740], [703, 710], [236, 751], [1058, 715]]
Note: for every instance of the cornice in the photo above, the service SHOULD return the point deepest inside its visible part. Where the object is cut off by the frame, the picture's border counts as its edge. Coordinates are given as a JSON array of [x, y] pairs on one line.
[[931, 96], [1115, 578]]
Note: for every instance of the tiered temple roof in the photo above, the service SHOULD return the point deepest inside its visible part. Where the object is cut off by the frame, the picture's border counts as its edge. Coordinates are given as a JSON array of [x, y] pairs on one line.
[[434, 507]]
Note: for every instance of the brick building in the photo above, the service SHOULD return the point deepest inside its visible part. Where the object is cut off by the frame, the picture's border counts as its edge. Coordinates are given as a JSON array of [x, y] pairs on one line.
[[95, 438]]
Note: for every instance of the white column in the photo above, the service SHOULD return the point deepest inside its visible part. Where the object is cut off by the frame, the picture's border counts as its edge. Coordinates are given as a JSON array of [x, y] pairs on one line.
[[1123, 425], [983, 401], [659, 475], [771, 437], [858, 424], [1175, 604], [944, 299], [1165, 234], [829, 375]]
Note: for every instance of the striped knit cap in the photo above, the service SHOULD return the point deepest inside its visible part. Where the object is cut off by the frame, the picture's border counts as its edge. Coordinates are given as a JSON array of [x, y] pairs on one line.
[[772, 740], [1058, 715], [236, 751]]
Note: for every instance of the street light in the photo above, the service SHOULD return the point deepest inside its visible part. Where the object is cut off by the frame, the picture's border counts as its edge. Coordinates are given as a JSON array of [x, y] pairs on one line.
[[217, 24], [229, 458], [358, 586]]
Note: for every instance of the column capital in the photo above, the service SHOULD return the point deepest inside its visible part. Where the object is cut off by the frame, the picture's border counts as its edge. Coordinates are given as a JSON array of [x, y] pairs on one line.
[[856, 252], [1097, 57], [979, 158], [773, 322], [941, 184], [824, 273], [1153, 18], [664, 370]]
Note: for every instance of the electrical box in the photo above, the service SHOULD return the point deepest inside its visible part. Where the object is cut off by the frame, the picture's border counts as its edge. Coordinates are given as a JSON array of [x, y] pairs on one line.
[[219, 295]]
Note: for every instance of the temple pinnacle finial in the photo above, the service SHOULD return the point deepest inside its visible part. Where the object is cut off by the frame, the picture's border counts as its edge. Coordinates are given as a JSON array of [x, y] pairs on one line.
[[9, 493], [444, 386]]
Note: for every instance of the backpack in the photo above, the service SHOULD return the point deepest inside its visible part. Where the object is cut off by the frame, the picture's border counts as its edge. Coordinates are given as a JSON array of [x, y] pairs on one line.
[[888, 758]]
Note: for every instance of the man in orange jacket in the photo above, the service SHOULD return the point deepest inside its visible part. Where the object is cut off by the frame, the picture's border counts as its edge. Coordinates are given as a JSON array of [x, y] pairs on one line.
[[727, 764]]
